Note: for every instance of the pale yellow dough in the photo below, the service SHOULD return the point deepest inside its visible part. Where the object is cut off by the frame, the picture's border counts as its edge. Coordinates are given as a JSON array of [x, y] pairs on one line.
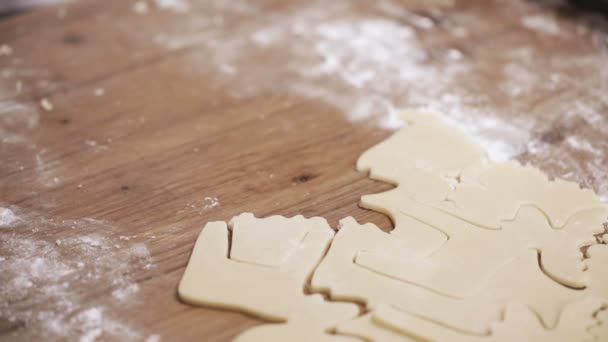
[[366, 328], [269, 277], [520, 324], [388, 324], [481, 251], [520, 279], [436, 163], [311, 319]]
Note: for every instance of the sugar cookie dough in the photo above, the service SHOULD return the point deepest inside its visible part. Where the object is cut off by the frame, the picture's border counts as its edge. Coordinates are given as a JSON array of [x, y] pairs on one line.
[[520, 324], [250, 285], [310, 319], [342, 275], [481, 251], [436, 163]]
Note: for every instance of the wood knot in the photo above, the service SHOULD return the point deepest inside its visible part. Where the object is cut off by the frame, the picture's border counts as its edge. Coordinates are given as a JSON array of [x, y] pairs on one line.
[[303, 178]]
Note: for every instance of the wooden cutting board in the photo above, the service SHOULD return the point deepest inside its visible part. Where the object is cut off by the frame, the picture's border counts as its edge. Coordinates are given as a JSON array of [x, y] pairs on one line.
[[165, 117]]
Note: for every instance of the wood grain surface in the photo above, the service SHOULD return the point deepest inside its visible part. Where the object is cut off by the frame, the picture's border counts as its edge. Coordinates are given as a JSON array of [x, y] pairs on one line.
[[171, 134]]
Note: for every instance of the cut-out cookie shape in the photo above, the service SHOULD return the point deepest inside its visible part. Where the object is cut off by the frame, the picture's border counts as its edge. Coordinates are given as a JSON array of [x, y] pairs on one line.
[[437, 164], [511, 185], [341, 277], [250, 284], [311, 321], [471, 255], [520, 324], [272, 240], [426, 143]]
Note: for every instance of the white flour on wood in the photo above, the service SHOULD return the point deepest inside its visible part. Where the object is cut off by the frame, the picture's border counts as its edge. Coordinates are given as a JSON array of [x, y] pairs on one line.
[[368, 62], [43, 277]]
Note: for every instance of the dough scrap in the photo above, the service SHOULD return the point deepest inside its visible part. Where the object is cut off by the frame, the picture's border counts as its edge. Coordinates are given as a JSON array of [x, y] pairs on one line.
[[421, 146], [269, 292], [342, 276], [436, 163], [281, 237], [456, 269], [520, 324], [474, 242]]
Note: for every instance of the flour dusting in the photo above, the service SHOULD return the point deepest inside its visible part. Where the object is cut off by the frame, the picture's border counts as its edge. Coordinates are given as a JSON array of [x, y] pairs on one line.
[[17, 121], [7, 217], [42, 277], [369, 61], [201, 206], [177, 6], [541, 24]]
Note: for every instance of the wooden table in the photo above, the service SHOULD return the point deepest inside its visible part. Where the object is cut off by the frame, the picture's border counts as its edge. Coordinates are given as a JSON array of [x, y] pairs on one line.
[[165, 118]]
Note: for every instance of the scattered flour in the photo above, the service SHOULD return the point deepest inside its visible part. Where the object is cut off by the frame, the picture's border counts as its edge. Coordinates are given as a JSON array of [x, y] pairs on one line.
[[46, 170], [17, 121], [6, 50], [177, 6], [42, 281], [46, 104], [211, 202], [367, 62], [153, 338], [99, 91], [140, 7], [540, 23], [95, 145], [7, 217], [201, 206]]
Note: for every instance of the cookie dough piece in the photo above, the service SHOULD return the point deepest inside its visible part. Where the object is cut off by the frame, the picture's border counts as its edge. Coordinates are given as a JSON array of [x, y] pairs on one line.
[[509, 186], [272, 240], [437, 164], [520, 324], [250, 284], [457, 270], [426, 143], [311, 321], [340, 275]]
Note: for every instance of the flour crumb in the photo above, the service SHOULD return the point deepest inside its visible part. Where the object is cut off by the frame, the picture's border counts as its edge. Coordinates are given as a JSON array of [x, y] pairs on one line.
[[6, 50], [227, 69], [46, 104], [202, 205], [140, 250], [124, 293], [153, 338], [140, 7], [177, 6], [38, 268], [95, 145], [91, 335], [7, 217], [541, 24], [99, 92], [211, 202]]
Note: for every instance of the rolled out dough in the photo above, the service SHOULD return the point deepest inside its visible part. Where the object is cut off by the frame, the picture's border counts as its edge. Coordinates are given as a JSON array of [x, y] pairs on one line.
[[481, 251]]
